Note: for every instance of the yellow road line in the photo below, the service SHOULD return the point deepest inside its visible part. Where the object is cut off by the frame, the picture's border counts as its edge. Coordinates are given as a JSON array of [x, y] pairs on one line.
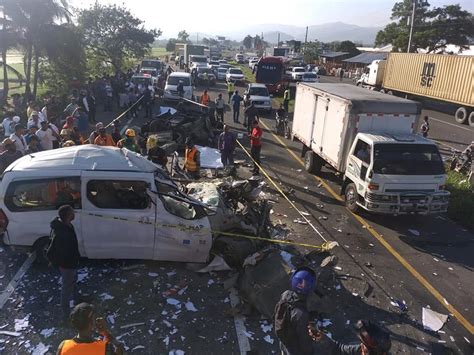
[[466, 324]]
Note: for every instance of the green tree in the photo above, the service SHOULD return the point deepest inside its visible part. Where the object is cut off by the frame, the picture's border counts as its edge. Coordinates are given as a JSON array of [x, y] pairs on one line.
[[247, 41], [349, 47], [171, 45], [433, 28], [183, 36], [113, 35]]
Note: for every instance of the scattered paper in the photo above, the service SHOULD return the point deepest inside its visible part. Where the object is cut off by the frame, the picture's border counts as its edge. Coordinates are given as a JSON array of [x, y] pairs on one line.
[[131, 325], [210, 158], [268, 339], [12, 334], [47, 332], [414, 232], [153, 274], [138, 347], [21, 324], [172, 301], [176, 352], [105, 297], [266, 327], [433, 320], [40, 349], [190, 306], [217, 264]]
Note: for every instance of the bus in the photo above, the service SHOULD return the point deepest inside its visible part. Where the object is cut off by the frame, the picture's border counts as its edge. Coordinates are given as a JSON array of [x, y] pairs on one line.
[[270, 71]]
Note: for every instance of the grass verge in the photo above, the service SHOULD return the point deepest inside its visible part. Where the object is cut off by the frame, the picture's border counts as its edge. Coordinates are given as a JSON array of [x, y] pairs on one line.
[[461, 203]]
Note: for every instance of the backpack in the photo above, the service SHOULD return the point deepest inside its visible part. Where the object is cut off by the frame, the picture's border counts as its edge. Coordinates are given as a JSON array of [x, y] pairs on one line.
[[282, 322], [52, 250]]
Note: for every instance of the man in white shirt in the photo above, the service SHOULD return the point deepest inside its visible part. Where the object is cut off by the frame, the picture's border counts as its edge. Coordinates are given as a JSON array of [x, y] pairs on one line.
[[34, 120], [19, 139], [45, 135], [6, 123]]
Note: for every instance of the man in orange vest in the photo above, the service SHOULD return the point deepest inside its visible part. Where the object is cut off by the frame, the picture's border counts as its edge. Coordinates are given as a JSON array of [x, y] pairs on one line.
[[205, 98], [192, 161], [104, 139], [84, 322]]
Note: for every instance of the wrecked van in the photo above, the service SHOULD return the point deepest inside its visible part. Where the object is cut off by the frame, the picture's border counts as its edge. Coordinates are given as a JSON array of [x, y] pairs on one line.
[[126, 207]]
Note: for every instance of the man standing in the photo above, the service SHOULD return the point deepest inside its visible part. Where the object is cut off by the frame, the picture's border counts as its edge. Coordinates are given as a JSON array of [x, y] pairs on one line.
[[33, 120], [63, 252], [425, 127], [236, 100], [286, 98], [33, 145], [192, 160], [180, 88], [90, 98], [94, 134], [116, 136], [84, 321], [226, 145], [109, 93], [46, 135], [129, 141], [19, 139], [147, 101], [205, 98], [220, 105], [7, 124], [256, 146], [104, 139], [341, 74], [9, 155], [251, 114], [230, 89]]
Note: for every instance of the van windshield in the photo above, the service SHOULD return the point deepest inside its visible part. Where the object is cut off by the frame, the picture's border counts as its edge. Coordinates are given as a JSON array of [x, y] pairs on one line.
[[407, 159], [174, 80]]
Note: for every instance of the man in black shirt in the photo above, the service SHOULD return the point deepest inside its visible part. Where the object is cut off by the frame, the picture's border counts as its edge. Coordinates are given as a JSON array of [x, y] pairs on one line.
[[9, 155]]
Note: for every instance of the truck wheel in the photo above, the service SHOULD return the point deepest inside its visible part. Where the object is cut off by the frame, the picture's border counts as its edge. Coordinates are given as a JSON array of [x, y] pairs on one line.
[[461, 115], [312, 163], [351, 197], [40, 247], [471, 119]]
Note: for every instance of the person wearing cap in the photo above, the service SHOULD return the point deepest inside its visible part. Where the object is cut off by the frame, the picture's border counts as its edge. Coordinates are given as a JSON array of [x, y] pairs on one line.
[[33, 145], [46, 135], [373, 340], [34, 120], [192, 159], [19, 139], [129, 141], [291, 317], [9, 155], [104, 139], [95, 133], [85, 323]]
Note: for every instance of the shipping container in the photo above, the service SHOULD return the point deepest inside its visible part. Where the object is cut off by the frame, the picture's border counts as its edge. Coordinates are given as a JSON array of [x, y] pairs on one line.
[[442, 77]]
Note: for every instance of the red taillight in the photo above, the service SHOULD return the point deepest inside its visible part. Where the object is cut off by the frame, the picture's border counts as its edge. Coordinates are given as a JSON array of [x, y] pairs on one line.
[[3, 221]]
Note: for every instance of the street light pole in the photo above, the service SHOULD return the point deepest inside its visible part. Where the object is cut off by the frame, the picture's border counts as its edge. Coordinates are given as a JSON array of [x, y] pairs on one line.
[[411, 25]]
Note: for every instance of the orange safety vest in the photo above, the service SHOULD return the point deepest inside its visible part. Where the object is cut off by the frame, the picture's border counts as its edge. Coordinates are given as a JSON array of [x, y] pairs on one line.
[[190, 163], [71, 347], [205, 100]]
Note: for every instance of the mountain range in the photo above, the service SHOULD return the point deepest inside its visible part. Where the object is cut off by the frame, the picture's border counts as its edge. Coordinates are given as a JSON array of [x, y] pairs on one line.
[[328, 32]]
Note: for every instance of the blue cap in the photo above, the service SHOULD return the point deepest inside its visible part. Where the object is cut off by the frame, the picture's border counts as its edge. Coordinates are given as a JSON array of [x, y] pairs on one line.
[[303, 281]]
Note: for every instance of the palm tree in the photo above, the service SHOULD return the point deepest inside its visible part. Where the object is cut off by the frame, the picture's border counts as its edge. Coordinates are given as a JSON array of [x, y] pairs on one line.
[[35, 19]]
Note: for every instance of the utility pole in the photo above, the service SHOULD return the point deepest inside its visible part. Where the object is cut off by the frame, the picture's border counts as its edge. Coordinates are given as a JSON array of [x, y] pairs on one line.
[[412, 23], [278, 44], [306, 36]]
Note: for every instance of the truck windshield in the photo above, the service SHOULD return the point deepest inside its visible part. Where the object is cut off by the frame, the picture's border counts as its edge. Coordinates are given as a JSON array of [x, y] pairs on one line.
[[407, 159], [198, 59], [174, 80]]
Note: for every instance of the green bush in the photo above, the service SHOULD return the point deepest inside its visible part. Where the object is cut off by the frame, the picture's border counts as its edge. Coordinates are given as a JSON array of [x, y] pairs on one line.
[[461, 204]]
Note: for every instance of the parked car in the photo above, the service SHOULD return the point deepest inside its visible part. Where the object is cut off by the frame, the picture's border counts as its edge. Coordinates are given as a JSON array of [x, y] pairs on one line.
[[222, 61], [239, 58], [221, 73], [310, 77], [171, 92], [253, 62], [213, 64], [152, 72], [125, 205], [260, 96], [141, 81], [235, 74], [210, 74], [225, 65], [297, 73]]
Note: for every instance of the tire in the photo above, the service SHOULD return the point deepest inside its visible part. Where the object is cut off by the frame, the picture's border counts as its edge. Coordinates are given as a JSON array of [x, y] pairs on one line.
[[312, 162], [461, 115], [351, 197], [470, 120], [40, 248]]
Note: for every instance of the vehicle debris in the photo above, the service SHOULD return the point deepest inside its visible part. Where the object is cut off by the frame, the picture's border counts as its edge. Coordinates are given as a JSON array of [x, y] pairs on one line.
[[432, 320]]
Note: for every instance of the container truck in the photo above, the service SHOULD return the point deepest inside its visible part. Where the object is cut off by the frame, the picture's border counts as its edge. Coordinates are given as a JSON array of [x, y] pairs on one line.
[[446, 78], [368, 137], [192, 49]]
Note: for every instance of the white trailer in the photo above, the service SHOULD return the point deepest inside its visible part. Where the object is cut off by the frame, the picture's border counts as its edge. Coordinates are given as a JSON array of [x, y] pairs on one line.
[[369, 138]]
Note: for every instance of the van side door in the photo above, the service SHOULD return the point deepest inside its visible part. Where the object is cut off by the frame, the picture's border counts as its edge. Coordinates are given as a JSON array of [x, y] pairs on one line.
[[118, 215], [358, 163]]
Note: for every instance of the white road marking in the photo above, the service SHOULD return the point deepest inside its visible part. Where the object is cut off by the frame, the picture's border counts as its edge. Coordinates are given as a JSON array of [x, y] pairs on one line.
[[5, 294], [239, 322], [451, 124]]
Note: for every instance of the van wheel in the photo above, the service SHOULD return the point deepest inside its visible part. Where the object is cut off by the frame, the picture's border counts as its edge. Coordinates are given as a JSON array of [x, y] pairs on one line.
[[312, 163], [471, 119], [40, 247], [351, 197], [461, 115]]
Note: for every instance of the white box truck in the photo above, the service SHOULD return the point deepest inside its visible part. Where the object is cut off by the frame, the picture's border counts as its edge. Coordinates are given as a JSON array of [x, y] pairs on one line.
[[369, 138]]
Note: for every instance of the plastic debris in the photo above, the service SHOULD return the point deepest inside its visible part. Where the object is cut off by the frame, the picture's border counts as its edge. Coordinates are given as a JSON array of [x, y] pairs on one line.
[[138, 347], [47, 332], [268, 339], [21, 324], [176, 352], [433, 320], [12, 334], [132, 325], [217, 264], [172, 301], [190, 306], [266, 327], [105, 297], [40, 349], [401, 305], [152, 274], [414, 232]]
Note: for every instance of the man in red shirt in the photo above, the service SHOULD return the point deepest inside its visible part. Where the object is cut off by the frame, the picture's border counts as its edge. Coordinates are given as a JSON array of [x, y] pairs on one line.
[[256, 146]]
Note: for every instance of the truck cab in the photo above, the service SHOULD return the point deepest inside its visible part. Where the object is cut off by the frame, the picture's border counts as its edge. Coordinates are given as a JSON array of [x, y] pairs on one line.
[[395, 174]]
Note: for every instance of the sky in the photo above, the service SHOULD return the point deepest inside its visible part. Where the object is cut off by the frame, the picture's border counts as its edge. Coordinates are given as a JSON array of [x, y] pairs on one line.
[[219, 16]]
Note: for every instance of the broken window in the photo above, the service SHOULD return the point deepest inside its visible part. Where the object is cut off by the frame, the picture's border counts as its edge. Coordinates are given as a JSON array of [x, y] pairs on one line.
[[43, 194], [177, 204], [118, 194]]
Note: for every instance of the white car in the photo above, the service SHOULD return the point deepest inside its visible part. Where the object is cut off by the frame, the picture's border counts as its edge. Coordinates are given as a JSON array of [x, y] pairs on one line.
[[252, 63], [239, 58], [235, 74], [152, 72], [310, 77], [221, 73], [259, 96], [171, 92], [297, 73], [213, 64]]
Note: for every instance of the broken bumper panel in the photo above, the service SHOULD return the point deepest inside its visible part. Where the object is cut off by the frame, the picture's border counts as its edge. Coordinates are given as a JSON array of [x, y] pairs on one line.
[[407, 203]]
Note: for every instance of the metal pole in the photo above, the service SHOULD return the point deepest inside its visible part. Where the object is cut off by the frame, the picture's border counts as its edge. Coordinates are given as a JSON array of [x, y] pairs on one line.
[[306, 36], [278, 44], [411, 25]]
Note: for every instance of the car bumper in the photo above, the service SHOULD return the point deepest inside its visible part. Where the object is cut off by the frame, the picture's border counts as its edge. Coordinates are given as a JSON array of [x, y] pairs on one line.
[[407, 203], [263, 105]]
